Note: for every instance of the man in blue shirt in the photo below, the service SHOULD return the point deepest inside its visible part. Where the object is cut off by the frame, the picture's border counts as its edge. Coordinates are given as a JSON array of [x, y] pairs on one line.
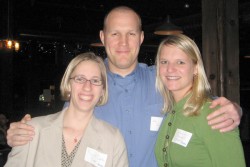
[[134, 106]]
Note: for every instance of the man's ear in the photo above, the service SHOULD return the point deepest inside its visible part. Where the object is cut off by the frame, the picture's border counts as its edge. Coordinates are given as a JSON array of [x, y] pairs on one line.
[[101, 34], [142, 36]]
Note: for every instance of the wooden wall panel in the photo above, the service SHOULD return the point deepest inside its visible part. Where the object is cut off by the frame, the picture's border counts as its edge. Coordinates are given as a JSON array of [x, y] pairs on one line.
[[220, 46]]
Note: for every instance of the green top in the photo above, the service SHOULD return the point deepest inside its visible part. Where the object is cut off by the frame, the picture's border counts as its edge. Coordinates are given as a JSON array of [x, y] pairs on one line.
[[195, 143]]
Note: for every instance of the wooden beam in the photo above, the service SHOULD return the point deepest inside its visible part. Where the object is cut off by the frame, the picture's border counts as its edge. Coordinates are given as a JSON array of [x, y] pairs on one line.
[[220, 46]]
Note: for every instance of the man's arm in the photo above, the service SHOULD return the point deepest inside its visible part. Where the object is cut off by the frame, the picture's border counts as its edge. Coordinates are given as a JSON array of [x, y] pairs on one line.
[[20, 133], [227, 117]]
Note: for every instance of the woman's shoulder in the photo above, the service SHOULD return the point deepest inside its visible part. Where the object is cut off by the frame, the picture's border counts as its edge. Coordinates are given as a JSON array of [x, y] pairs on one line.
[[205, 109], [43, 121], [103, 125], [105, 128]]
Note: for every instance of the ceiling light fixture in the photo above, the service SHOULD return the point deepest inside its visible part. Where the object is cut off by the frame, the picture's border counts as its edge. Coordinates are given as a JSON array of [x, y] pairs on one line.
[[7, 42], [168, 28]]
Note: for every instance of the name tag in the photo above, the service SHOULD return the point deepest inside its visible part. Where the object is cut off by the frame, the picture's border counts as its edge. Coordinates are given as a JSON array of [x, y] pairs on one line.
[[155, 123], [96, 158], [182, 137]]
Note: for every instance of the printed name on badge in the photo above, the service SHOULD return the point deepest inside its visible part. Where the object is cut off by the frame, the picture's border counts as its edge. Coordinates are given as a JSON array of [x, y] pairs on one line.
[[155, 123], [182, 137], [96, 158]]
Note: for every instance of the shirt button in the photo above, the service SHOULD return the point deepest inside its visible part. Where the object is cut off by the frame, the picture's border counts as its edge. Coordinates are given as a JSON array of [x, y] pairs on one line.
[[173, 111], [164, 149], [169, 124], [167, 137], [165, 165]]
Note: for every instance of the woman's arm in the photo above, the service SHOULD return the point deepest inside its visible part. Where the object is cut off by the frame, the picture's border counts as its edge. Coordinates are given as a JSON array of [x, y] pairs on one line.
[[225, 149]]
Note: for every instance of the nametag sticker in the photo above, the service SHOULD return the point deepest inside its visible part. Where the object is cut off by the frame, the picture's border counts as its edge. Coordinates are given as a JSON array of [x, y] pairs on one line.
[[182, 137], [155, 123], [96, 158]]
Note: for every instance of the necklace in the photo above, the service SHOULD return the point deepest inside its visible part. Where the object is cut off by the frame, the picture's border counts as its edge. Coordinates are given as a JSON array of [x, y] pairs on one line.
[[73, 135], [75, 140]]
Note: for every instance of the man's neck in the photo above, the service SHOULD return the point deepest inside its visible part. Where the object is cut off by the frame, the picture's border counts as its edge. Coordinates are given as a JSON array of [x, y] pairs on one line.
[[122, 72]]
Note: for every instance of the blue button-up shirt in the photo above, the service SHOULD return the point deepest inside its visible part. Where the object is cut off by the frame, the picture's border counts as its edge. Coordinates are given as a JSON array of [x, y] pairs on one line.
[[133, 101]]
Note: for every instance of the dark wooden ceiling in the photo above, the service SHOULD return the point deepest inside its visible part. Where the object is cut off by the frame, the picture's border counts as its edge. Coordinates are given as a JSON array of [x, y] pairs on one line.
[[84, 18], [81, 20], [78, 16]]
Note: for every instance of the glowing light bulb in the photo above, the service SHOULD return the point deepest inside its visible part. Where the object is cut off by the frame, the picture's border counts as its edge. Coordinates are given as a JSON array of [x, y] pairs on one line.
[[9, 44], [17, 46]]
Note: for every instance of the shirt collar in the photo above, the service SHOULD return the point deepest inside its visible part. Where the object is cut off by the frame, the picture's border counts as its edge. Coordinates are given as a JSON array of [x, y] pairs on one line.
[[118, 78], [117, 75]]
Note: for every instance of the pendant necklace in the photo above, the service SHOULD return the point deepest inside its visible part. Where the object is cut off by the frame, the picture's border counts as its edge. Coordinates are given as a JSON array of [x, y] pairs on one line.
[[75, 140]]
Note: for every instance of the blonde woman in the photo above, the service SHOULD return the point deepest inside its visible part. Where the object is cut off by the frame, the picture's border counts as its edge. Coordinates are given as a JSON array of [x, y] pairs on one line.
[[185, 139], [74, 137]]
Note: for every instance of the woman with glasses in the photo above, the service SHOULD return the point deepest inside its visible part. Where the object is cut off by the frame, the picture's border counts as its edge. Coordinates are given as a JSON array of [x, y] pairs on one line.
[[74, 137], [185, 139]]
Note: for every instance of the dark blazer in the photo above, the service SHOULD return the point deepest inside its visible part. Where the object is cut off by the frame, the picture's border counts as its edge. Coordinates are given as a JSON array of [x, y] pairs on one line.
[[100, 141]]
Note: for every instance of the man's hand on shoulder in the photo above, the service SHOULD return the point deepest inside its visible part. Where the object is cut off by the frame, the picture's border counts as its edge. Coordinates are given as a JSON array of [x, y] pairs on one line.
[[227, 117], [20, 133]]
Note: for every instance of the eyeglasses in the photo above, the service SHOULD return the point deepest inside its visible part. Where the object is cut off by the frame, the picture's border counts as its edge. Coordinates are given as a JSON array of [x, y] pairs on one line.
[[81, 80]]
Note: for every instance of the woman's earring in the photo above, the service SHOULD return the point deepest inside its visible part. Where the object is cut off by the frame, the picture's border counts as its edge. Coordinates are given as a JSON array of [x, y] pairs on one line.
[[100, 99]]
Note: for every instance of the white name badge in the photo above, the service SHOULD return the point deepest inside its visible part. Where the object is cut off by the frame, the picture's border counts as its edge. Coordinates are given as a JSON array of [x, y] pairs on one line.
[[182, 137], [96, 158], [155, 123]]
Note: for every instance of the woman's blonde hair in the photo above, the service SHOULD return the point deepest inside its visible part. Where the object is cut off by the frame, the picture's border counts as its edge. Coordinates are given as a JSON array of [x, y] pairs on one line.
[[201, 88], [65, 87]]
